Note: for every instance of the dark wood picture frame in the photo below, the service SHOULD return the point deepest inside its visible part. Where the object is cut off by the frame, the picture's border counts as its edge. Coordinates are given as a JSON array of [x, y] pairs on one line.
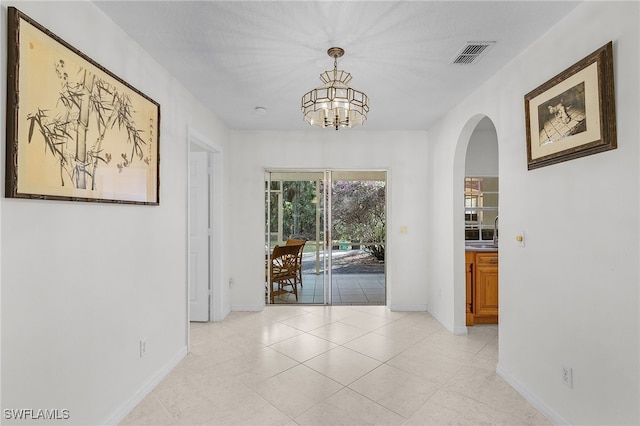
[[75, 131], [573, 114]]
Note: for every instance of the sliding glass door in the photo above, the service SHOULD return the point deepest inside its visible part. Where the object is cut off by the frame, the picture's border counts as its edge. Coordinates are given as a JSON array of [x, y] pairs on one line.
[[358, 234], [295, 209], [341, 216]]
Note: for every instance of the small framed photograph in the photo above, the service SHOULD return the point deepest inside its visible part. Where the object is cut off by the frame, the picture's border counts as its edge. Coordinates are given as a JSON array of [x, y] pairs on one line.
[[573, 114], [75, 131]]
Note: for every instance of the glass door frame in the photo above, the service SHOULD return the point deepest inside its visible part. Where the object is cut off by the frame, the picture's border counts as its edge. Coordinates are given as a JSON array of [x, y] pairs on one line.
[[321, 197], [328, 238], [326, 253]]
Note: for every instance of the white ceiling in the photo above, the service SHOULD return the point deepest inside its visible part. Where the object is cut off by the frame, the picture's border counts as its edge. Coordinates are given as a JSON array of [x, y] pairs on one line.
[[238, 55]]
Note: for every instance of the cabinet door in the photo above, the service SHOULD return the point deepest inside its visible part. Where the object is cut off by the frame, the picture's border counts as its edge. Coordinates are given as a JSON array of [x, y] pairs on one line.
[[485, 303], [469, 259]]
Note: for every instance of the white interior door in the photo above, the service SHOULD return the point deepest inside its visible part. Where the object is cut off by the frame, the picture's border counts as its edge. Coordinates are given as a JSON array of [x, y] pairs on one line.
[[199, 236]]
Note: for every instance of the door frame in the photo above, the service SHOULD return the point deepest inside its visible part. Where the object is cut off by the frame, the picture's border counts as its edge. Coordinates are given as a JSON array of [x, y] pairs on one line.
[[216, 301], [199, 235]]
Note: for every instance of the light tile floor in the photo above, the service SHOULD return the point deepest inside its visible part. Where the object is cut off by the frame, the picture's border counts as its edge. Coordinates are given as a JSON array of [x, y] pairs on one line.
[[348, 365]]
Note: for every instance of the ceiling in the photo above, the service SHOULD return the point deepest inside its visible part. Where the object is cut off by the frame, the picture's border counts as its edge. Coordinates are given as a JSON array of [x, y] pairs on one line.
[[235, 56]]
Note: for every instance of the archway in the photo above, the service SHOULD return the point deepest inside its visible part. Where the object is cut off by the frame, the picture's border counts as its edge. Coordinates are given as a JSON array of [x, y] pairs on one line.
[[477, 134]]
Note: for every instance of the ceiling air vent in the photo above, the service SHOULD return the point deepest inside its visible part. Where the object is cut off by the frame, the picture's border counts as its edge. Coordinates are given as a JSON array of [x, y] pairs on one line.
[[472, 52]]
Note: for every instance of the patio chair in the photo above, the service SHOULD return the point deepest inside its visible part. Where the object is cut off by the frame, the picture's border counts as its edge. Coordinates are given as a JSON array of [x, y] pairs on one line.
[[301, 243], [283, 270]]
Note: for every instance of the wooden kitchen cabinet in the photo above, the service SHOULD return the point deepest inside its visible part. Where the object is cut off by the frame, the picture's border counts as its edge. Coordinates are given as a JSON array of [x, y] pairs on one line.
[[482, 287]]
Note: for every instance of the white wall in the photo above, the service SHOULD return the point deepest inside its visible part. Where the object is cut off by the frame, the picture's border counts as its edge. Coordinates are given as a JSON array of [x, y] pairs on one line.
[[403, 154], [82, 283], [70, 333], [571, 295]]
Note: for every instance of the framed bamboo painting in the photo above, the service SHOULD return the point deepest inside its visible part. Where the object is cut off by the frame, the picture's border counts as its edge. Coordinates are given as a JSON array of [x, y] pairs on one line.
[[573, 114], [75, 131]]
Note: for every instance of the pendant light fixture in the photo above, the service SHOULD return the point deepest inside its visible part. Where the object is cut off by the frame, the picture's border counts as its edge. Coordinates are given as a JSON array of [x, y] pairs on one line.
[[335, 104]]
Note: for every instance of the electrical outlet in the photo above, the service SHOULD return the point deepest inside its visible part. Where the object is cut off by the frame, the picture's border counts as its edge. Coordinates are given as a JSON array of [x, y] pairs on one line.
[[567, 376], [230, 282], [143, 347]]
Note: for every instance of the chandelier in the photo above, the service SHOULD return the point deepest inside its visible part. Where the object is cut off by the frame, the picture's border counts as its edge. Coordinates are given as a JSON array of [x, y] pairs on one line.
[[335, 104]]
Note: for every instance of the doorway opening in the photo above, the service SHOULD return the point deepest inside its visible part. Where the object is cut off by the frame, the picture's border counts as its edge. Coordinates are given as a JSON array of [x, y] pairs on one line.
[[340, 216], [481, 196]]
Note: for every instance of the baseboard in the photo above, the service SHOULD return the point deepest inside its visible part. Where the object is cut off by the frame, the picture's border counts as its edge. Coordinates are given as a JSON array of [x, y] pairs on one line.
[[221, 315], [531, 398], [460, 331], [145, 389], [456, 331], [408, 308]]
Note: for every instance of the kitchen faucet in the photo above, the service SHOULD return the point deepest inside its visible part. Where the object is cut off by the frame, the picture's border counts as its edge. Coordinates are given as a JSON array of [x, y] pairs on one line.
[[495, 232]]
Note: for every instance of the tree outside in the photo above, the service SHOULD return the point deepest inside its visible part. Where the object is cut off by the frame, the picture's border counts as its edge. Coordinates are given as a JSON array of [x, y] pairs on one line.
[[358, 216], [299, 209]]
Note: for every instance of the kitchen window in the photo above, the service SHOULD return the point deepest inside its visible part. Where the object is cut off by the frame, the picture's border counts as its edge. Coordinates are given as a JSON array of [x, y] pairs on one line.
[[480, 207]]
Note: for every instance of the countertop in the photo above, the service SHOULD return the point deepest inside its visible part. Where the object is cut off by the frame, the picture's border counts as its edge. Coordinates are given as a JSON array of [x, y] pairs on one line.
[[486, 247]]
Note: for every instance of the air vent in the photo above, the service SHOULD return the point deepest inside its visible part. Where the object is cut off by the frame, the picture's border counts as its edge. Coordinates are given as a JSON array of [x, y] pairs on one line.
[[472, 52]]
